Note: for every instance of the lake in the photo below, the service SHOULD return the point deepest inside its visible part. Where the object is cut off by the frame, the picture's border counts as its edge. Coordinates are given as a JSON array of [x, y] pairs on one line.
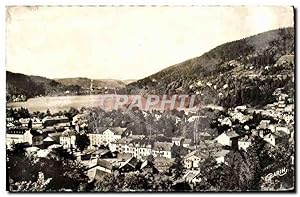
[[57, 103], [106, 102]]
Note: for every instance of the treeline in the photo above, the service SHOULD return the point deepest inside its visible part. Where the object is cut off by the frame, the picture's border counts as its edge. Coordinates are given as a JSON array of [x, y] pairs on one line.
[[17, 84], [32, 86], [168, 124], [255, 92]]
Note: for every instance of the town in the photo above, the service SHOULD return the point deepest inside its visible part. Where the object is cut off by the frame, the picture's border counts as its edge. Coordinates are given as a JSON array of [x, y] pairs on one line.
[[181, 148]]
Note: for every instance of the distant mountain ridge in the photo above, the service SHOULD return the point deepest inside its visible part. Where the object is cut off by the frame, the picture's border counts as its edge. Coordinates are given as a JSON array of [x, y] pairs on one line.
[[29, 86], [85, 83]]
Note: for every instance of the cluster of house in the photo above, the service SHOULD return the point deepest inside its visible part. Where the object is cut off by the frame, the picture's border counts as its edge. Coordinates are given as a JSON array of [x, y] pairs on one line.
[[34, 131], [130, 153], [114, 148], [18, 98], [281, 109], [283, 112], [125, 152], [100, 162]]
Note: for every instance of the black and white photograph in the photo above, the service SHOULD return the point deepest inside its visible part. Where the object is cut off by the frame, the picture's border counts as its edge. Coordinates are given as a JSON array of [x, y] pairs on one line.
[[150, 98]]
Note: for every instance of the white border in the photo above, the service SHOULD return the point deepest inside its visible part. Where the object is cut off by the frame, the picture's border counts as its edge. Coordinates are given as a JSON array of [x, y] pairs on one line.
[[4, 3]]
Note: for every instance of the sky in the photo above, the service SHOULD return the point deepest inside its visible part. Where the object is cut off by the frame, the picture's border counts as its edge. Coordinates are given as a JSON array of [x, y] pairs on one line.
[[125, 42]]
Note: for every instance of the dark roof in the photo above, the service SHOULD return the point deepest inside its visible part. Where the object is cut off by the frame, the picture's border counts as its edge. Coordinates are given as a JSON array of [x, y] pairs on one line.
[[55, 136], [146, 164], [124, 156], [104, 164], [123, 141], [49, 129], [143, 142], [162, 146], [35, 132], [133, 162]]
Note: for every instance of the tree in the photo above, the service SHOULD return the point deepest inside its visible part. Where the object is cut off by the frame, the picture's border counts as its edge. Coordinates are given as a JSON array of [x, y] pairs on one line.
[[82, 141], [162, 183], [72, 112], [30, 124], [176, 169], [48, 113], [34, 174], [28, 186], [206, 169], [221, 179], [279, 157], [65, 171], [110, 182], [19, 166], [106, 183], [138, 181]]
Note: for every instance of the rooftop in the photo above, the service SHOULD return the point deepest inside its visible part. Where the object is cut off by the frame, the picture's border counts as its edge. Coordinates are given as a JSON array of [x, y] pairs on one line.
[[221, 153], [116, 130], [105, 164], [196, 153], [162, 146]]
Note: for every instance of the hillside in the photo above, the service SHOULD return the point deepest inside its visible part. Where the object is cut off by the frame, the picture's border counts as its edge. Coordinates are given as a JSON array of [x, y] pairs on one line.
[[128, 81], [85, 83], [18, 85], [31, 86], [245, 71]]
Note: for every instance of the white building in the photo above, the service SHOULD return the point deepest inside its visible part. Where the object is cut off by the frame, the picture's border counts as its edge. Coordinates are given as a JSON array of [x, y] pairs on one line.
[[37, 123], [112, 134], [33, 137], [220, 156], [186, 143], [23, 135], [10, 125], [226, 138], [68, 139], [14, 136], [24, 121], [177, 141], [193, 159], [226, 121], [162, 149], [105, 136], [244, 144]]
